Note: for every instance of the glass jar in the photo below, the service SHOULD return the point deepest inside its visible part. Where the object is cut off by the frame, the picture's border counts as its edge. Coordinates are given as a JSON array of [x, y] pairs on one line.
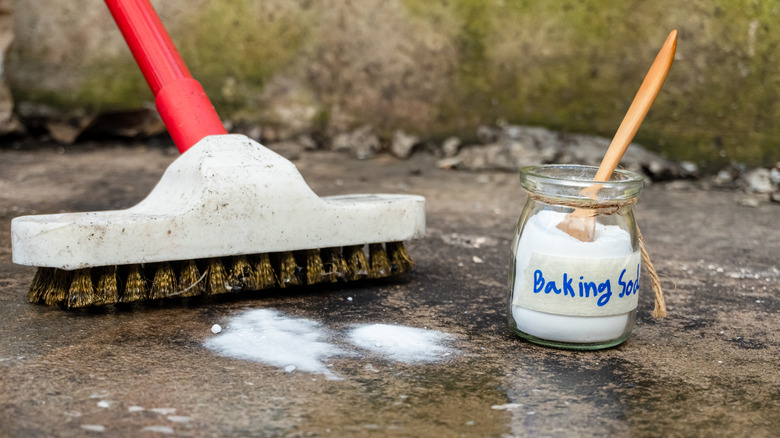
[[563, 291]]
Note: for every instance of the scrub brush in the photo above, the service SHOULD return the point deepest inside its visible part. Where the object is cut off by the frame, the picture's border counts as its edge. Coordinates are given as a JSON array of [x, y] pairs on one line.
[[228, 215]]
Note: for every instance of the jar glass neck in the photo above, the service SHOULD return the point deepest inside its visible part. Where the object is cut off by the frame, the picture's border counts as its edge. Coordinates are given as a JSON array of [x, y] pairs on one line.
[[573, 184]]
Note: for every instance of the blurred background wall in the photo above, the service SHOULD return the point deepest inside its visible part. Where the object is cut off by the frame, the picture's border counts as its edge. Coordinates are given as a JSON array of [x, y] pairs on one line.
[[434, 68]]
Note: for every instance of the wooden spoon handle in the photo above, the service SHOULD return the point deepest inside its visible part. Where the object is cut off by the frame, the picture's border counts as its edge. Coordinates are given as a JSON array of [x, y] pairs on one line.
[[639, 108]]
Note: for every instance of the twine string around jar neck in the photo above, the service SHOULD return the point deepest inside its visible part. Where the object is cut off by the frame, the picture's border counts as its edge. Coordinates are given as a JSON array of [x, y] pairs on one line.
[[605, 208]]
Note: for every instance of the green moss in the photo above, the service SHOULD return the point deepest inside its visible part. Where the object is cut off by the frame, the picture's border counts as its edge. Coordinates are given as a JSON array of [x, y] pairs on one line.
[[565, 64], [234, 47], [113, 84], [576, 66], [231, 47]]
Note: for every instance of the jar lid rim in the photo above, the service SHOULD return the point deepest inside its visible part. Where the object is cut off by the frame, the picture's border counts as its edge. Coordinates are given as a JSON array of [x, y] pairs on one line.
[[626, 176], [568, 181]]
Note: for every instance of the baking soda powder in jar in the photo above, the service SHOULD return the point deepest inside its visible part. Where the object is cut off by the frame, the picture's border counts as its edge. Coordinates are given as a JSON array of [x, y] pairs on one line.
[[565, 292]]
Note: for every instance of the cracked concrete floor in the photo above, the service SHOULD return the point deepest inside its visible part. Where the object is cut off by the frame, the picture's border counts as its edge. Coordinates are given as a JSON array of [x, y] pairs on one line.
[[709, 369]]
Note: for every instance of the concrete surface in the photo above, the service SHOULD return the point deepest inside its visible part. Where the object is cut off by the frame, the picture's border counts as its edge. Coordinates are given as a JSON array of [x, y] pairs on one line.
[[709, 369]]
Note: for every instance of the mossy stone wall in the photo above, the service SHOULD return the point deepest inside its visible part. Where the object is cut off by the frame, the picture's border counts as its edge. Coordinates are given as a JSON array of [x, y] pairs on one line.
[[435, 68]]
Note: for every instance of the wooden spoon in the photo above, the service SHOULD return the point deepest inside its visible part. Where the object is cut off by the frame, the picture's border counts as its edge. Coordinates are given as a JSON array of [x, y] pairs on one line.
[[580, 223]]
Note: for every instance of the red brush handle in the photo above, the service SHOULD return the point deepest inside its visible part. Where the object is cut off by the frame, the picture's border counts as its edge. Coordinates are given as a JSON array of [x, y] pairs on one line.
[[183, 105]]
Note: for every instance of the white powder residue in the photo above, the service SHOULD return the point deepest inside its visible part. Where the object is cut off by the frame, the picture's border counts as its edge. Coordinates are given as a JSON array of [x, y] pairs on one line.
[[403, 344], [93, 427], [159, 429], [506, 407], [268, 336], [541, 234]]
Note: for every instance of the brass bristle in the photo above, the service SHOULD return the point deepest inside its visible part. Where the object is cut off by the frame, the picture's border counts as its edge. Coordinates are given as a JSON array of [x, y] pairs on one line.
[[40, 284], [400, 261], [190, 282], [357, 265], [264, 272], [218, 279], [57, 291], [288, 270], [380, 263], [74, 289], [314, 268], [242, 276], [135, 286], [335, 265], [81, 292], [163, 282], [107, 287]]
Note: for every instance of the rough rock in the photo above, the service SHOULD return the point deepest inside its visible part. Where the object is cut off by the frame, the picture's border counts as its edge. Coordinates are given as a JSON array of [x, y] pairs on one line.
[[514, 146], [757, 181], [307, 142], [402, 144], [67, 131], [451, 146], [289, 149], [589, 150], [362, 143], [506, 155], [774, 175], [144, 122], [487, 134], [724, 178], [8, 121]]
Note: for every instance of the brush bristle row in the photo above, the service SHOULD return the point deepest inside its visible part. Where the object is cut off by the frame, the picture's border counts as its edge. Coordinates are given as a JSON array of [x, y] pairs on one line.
[[400, 261], [81, 292], [128, 283], [380, 264], [264, 272], [135, 287], [334, 265], [242, 276], [218, 279], [191, 282], [163, 283], [57, 290], [108, 287], [357, 265], [288, 270]]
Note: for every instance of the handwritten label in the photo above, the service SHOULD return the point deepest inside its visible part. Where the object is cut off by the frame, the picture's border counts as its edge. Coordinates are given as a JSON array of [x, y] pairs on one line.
[[579, 286]]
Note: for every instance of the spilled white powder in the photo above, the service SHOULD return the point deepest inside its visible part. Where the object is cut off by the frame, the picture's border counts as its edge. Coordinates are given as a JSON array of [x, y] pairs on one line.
[[300, 344], [159, 429], [93, 427], [403, 344], [506, 407], [268, 336]]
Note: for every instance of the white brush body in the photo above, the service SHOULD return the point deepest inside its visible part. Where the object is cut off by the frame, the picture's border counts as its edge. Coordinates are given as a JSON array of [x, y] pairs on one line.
[[227, 195]]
